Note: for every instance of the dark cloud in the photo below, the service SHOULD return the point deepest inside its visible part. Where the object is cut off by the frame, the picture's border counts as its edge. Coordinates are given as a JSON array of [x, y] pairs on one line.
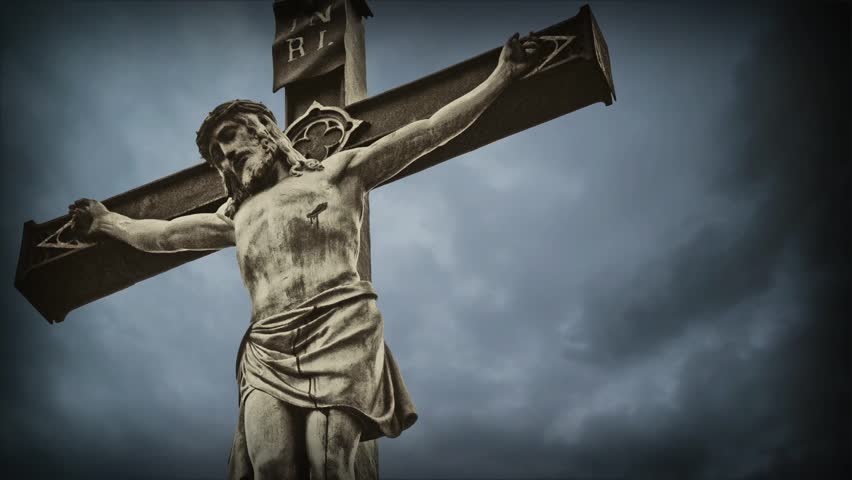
[[789, 126], [740, 410]]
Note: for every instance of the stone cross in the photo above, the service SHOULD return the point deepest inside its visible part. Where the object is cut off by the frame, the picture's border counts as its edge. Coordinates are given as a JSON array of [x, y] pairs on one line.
[[319, 58]]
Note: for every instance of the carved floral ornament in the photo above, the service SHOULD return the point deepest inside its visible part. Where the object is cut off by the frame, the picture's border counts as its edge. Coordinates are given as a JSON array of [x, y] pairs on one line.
[[321, 131]]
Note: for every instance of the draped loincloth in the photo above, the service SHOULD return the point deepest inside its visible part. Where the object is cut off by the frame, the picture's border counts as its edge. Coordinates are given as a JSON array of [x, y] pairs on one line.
[[327, 352]]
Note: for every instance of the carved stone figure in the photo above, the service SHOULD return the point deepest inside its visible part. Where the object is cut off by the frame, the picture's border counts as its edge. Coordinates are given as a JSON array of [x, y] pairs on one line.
[[314, 374]]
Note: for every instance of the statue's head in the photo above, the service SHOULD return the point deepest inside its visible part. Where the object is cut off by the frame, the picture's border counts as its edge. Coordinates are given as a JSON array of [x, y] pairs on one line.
[[241, 139]]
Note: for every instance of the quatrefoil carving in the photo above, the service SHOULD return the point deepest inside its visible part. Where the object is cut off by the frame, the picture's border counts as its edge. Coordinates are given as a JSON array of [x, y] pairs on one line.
[[321, 131]]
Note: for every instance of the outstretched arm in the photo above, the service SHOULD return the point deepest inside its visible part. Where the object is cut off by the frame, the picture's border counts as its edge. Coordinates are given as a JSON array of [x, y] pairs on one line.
[[388, 156], [203, 231]]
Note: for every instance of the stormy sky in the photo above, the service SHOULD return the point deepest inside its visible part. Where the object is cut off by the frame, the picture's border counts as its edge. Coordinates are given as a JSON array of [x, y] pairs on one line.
[[654, 289]]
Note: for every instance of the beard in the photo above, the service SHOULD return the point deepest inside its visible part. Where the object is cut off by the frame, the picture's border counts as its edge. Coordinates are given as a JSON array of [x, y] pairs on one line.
[[261, 176]]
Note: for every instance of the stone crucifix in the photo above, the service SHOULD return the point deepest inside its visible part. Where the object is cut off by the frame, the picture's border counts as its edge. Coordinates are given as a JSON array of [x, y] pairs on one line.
[[316, 382]]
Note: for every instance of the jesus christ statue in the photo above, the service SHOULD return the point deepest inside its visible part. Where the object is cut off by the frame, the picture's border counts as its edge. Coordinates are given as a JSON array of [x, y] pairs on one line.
[[314, 375]]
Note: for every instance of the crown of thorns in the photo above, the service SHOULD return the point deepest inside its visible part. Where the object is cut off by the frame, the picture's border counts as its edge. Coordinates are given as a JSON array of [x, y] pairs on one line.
[[225, 110]]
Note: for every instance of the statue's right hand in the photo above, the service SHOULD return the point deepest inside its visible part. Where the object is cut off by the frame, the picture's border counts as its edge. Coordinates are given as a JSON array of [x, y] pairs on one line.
[[85, 216]]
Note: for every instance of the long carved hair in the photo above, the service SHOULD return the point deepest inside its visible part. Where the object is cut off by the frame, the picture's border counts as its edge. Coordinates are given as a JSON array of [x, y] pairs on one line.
[[271, 139]]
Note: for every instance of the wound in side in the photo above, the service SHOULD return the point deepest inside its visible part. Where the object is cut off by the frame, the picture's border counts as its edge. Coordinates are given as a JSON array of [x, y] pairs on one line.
[[313, 216]]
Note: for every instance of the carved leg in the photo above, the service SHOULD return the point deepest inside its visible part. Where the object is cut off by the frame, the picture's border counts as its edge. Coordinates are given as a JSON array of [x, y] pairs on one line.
[[332, 440], [275, 436]]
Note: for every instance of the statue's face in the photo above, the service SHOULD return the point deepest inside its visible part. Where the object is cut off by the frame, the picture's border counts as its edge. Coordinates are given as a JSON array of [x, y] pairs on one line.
[[240, 149]]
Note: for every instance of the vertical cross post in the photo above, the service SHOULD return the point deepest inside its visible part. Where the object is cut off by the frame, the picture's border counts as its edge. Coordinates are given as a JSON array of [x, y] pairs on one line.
[[319, 55]]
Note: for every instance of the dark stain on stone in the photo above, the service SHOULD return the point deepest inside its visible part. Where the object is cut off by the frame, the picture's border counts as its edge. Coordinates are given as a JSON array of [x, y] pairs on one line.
[[313, 216]]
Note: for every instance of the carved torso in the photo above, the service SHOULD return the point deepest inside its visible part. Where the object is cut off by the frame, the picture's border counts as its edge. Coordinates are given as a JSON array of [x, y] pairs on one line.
[[299, 238]]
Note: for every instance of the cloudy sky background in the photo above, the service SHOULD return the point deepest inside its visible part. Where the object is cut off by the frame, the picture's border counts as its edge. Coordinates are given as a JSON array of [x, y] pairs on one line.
[[647, 290]]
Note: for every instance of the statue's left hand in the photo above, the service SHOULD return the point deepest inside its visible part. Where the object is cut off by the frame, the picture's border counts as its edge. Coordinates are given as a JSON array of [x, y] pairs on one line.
[[520, 55]]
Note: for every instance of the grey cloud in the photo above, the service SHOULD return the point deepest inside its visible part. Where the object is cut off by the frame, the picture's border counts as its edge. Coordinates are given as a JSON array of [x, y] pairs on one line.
[[783, 180], [741, 410]]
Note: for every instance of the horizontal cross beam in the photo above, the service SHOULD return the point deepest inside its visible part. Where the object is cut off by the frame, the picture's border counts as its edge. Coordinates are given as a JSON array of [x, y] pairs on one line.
[[576, 73]]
